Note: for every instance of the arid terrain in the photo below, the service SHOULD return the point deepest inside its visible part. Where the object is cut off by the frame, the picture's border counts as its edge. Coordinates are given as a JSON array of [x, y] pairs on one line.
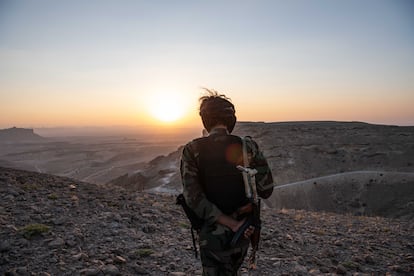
[[95, 159], [344, 167], [343, 203], [52, 225]]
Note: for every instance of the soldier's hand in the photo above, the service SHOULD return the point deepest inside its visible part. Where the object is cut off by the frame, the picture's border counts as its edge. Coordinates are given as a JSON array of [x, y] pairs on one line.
[[231, 223], [249, 231], [235, 225]]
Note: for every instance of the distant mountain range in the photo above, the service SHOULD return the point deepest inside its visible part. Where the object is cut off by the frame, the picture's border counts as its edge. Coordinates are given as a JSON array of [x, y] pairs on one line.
[[15, 134]]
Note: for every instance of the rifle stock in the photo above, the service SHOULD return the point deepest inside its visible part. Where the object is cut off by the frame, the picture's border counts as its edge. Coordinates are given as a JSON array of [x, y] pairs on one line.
[[253, 219], [251, 193], [255, 237]]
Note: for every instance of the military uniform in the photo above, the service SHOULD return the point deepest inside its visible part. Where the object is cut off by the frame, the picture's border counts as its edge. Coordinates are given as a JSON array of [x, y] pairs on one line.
[[212, 186]]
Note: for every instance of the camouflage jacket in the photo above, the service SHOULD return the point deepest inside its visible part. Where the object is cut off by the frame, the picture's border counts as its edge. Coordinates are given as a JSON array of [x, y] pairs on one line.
[[192, 188]]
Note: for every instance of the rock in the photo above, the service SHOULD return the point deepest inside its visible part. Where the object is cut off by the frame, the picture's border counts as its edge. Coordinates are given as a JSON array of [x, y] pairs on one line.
[[90, 271], [138, 270], [314, 272], [9, 197], [340, 269], [324, 269], [299, 269], [110, 270], [19, 271], [172, 266], [120, 260], [369, 259], [149, 228], [397, 268], [80, 256], [59, 242], [59, 221], [178, 274], [4, 246], [71, 242]]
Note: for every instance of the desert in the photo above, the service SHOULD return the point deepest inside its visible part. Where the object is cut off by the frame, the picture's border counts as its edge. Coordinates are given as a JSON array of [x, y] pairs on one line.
[[96, 158], [343, 203], [54, 225], [99, 100], [343, 167]]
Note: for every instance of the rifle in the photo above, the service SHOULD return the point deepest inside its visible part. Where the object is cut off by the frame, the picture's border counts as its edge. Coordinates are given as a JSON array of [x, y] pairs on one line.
[[254, 209]]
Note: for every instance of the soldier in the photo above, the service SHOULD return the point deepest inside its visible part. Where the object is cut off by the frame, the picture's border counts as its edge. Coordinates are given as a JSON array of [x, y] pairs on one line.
[[213, 187]]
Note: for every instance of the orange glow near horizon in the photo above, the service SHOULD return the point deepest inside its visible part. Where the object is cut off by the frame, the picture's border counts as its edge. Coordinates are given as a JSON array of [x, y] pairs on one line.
[[175, 106], [167, 107], [170, 110]]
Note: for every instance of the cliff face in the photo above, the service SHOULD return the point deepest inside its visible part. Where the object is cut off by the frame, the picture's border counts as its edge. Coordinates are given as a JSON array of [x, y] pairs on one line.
[[18, 135], [52, 225]]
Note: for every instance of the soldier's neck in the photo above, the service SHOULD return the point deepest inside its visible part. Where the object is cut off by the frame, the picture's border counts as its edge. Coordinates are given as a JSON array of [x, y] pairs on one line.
[[218, 128]]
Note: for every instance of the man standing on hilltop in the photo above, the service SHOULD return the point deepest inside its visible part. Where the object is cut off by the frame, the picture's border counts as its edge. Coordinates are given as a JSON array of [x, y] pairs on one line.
[[214, 189]]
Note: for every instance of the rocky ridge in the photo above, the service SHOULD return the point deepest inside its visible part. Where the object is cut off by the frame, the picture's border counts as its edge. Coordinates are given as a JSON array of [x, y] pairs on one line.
[[15, 134], [51, 225]]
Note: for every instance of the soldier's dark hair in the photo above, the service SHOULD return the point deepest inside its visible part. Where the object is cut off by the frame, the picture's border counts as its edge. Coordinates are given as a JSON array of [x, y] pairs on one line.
[[216, 109]]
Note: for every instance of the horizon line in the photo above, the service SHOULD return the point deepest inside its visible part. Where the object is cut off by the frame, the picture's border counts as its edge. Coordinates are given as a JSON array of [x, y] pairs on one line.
[[198, 126]]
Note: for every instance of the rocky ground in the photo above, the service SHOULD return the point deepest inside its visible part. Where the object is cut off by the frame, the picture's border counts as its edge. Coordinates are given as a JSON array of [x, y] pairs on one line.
[[59, 226]]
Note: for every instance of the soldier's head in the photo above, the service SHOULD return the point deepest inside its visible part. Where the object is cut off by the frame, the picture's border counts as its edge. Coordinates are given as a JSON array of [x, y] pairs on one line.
[[217, 110]]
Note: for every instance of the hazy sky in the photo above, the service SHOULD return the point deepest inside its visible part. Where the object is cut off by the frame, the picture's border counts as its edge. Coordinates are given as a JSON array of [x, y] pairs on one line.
[[97, 63]]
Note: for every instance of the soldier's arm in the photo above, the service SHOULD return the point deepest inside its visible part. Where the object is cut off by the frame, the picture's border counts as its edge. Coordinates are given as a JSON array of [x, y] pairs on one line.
[[231, 223], [192, 190], [264, 178]]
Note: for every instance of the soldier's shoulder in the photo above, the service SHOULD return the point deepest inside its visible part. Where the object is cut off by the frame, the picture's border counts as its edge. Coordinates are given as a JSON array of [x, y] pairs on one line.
[[195, 143]]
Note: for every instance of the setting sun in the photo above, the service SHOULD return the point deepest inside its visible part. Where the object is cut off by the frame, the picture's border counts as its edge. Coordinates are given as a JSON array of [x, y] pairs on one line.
[[167, 107]]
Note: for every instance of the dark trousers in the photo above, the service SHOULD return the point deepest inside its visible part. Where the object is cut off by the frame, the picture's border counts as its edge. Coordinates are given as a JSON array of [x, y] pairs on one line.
[[223, 263]]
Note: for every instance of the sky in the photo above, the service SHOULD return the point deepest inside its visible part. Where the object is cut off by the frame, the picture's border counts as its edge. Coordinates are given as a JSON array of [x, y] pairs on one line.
[[133, 63]]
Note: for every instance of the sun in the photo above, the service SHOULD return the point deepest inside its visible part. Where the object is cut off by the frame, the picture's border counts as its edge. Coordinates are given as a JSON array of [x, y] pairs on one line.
[[167, 107]]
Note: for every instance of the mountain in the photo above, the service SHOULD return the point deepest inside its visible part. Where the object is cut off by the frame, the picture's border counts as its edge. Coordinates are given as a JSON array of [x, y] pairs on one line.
[[15, 134], [160, 175], [52, 225], [351, 157], [369, 193]]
